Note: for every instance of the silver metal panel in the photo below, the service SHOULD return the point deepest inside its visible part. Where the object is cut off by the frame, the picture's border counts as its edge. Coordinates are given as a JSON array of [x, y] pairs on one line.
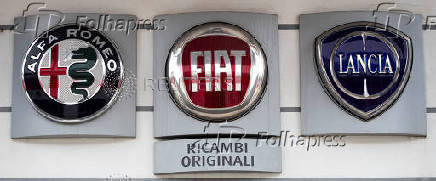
[[117, 121], [169, 120], [320, 115], [187, 155]]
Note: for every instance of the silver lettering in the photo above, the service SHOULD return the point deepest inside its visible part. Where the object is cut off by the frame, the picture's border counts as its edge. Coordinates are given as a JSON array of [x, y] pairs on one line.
[[369, 63], [226, 69], [71, 32], [361, 62], [195, 70], [97, 41], [238, 67]]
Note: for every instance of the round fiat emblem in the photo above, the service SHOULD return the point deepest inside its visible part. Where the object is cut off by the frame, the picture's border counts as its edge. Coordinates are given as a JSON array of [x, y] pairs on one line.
[[72, 73], [217, 72]]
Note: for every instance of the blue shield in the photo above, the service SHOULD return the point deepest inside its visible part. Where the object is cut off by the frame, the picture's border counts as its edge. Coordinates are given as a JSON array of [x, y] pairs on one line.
[[363, 66]]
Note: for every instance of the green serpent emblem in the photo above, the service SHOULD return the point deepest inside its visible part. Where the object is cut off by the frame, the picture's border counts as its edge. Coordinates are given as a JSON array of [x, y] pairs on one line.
[[80, 71]]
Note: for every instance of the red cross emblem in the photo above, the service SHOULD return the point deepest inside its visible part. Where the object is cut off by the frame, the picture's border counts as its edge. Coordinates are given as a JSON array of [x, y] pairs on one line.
[[53, 71]]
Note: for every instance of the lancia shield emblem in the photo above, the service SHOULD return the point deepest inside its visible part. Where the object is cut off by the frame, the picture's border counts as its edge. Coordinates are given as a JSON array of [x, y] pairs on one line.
[[217, 72], [71, 73], [363, 66]]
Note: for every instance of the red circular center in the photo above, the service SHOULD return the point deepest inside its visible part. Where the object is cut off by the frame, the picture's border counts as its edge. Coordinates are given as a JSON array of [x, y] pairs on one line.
[[216, 71]]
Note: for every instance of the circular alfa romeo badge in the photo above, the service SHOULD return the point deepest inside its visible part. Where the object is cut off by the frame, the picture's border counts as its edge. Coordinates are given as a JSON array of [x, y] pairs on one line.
[[71, 73], [217, 72]]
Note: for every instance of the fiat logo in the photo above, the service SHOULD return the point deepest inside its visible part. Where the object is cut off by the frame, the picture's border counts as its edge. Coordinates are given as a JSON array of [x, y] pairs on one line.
[[217, 72]]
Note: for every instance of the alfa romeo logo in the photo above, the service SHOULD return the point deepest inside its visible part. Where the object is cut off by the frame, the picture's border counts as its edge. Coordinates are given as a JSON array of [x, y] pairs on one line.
[[217, 72], [72, 73], [363, 66]]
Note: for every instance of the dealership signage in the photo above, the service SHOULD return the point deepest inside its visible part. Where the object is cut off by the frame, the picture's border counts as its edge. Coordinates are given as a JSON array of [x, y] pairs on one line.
[[363, 69], [371, 73], [194, 155], [72, 76], [216, 72], [222, 82], [358, 76]]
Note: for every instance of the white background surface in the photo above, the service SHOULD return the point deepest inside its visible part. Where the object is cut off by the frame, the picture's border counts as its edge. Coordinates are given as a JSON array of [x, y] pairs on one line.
[[363, 156]]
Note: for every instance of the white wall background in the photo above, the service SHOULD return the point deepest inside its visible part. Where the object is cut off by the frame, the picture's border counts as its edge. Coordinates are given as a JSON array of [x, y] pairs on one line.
[[363, 156]]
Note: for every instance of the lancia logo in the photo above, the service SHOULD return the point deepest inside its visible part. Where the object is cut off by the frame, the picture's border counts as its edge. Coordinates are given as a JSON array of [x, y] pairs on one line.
[[363, 66], [217, 72], [72, 73]]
